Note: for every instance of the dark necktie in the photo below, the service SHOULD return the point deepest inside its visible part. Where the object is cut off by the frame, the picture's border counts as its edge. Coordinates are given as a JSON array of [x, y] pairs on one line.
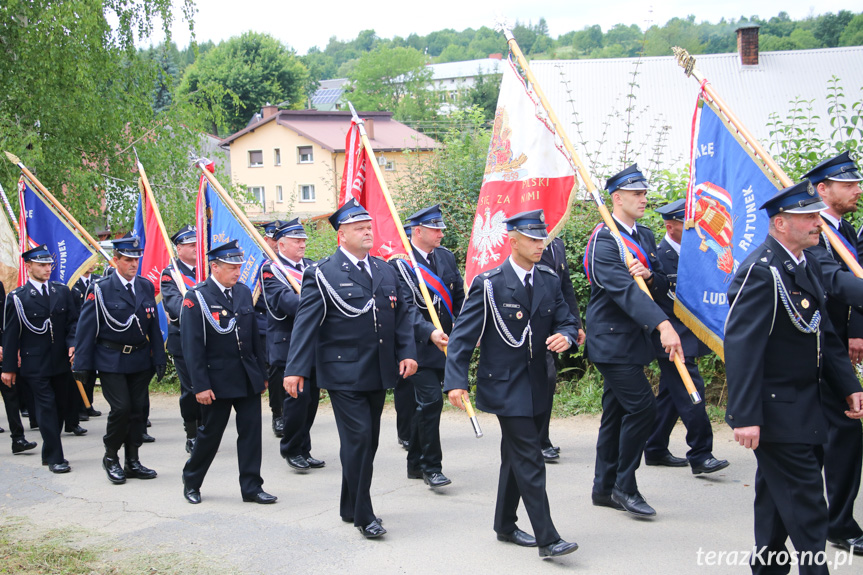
[[228, 296], [362, 265], [129, 289], [298, 267], [431, 261], [529, 287], [45, 295]]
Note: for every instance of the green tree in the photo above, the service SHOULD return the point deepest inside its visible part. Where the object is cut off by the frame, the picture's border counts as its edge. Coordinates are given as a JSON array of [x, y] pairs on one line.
[[483, 95], [829, 27], [252, 69], [588, 39], [395, 80], [853, 33]]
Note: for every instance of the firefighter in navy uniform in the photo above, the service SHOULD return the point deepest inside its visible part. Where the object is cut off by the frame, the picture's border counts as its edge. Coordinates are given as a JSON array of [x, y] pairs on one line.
[[13, 401], [837, 181], [172, 299], [517, 312], [780, 348], [119, 336], [276, 393], [424, 459], [621, 319], [673, 401], [223, 353], [282, 301], [79, 290], [404, 399], [354, 329], [40, 330], [554, 257]]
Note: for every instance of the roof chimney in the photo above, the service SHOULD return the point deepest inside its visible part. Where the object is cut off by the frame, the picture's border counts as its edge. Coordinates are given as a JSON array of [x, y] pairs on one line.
[[268, 110], [747, 45], [370, 128], [497, 56]]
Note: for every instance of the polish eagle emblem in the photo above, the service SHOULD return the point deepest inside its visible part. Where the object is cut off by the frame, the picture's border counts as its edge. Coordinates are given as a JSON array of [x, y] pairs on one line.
[[489, 234]]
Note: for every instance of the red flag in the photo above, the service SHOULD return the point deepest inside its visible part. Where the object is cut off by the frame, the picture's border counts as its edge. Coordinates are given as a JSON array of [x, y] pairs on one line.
[[527, 168], [359, 181], [156, 255]]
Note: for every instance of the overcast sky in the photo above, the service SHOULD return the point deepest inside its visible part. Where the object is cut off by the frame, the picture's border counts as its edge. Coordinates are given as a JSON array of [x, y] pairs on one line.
[[302, 25]]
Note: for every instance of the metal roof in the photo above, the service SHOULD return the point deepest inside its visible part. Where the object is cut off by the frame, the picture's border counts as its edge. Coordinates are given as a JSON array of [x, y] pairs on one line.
[[466, 69], [664, 96]]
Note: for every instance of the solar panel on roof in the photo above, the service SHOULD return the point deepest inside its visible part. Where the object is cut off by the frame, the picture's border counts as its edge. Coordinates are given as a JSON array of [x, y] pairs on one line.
[[327, 96]]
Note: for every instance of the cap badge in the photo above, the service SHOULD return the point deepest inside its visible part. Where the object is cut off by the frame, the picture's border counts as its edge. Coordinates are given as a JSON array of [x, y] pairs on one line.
[[804, 304]]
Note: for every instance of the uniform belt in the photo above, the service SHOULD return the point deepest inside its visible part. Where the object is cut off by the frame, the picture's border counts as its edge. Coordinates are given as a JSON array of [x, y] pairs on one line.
[[124, 348]]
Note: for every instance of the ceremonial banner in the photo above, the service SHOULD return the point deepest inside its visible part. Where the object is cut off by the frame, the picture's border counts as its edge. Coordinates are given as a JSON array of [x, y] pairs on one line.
[[216, 224], [527, 168], [360, 182], [156, 256], [723, 223], [41, 224]]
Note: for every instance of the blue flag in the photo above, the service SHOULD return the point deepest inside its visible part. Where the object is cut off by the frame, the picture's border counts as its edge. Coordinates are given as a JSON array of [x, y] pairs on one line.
[[222, 226], [139, 229], [44, 225], [723, 223]]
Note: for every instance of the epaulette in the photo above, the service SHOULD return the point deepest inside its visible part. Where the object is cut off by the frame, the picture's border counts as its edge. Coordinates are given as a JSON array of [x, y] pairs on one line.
[[101, 279], [546, 269], [490, 273], [18, 289], [321, 261], [380, 258], [56, 283]]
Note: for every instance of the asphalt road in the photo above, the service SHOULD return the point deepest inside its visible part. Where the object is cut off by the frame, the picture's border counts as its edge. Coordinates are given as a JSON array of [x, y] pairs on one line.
[[444, 531]]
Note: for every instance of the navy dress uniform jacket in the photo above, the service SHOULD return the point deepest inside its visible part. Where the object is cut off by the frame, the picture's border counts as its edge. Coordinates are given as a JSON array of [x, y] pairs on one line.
[[773, 369], [510, 381], [621, 316], [428, 355], [90, 355], [351, 353], [554, 256], [282, 303], [42, 355], [692, 346], [172, 301], [79, 290], [216, 361]]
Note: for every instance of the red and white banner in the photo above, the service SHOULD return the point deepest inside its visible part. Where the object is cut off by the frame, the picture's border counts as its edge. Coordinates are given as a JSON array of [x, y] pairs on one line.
[[157, 255], [360, 182], [527, 168]]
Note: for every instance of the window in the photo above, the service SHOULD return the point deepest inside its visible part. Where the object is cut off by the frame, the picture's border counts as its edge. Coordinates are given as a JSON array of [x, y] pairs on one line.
[[277, 157], [256, 158], [279, 195], [258, 192], [307, 193], [305, 155], [390, 166]]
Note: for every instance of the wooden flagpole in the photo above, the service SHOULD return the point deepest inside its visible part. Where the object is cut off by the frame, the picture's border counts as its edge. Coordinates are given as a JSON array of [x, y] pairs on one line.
[[144, 183], [9, 211], [687, 62], [50, 197], [407, 245], [244, 221], [591, 188]]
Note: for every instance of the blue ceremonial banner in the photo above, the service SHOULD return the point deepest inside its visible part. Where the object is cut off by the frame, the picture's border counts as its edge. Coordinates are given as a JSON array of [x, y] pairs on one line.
[[139, 229], [44, 225], [723, 223], [222, 226]]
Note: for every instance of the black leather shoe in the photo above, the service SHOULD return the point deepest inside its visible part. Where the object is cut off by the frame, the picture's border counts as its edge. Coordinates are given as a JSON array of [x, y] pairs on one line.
[[854, 545], [147, 438], [83, 416], [93, 413], [190, 444], [558, 548], [436, 479], [666, 460], [603, 500], [298, 462], [406, 445], [149, 424], [111, 465], [62, 467], [134, 470], [634, 503], [315, 463], [278, 426], [46, 464], [261, 497], [709, 466], [518, 537], [192, 495], [2, 430], [34, 425], [549, 454], [351, 520], [21, 445], [77, 430], [414, 473], [25, 413], [372, 530]]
